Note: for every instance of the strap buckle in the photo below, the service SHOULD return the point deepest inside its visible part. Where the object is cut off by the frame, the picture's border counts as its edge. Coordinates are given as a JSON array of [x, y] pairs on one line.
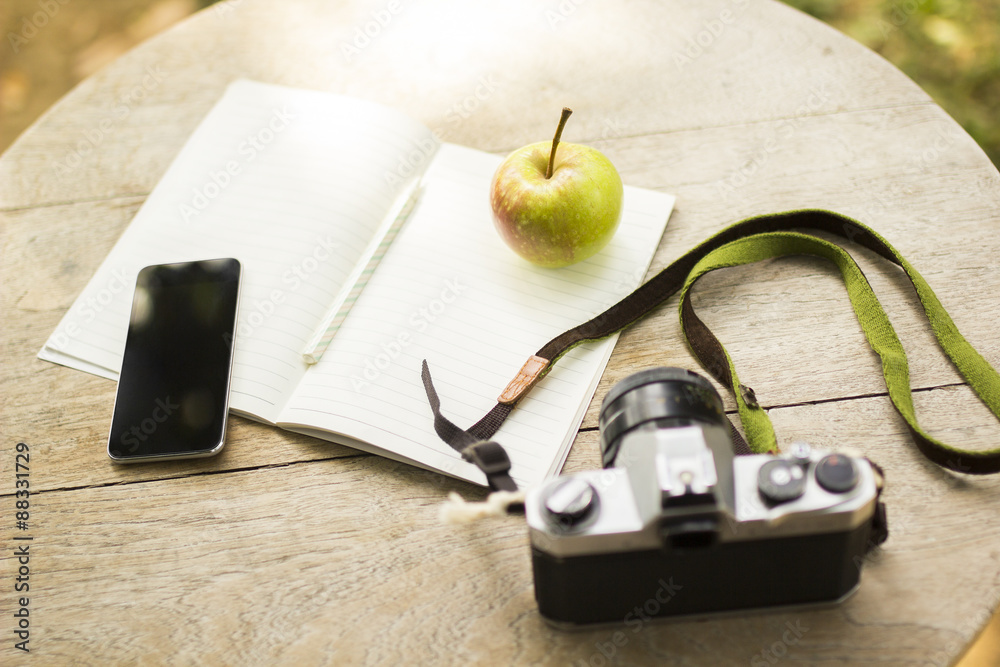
[[489, 457], [492, 459]]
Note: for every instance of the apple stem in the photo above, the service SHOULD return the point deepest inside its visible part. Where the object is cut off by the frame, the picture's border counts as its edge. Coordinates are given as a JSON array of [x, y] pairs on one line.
[[555, 140]]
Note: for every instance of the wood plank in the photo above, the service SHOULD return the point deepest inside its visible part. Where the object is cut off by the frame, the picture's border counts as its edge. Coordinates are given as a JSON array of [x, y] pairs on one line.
[[775, 316], [63, 413], [116, 133], [284, 549], [346, 559], [771, 317]]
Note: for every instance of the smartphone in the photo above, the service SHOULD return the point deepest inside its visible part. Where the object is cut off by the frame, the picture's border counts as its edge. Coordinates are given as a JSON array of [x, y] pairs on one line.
[[173, 391]]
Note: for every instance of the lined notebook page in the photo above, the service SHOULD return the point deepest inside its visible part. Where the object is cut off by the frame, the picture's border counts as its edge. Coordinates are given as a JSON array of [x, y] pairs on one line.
[[450, 291], [292, 183]]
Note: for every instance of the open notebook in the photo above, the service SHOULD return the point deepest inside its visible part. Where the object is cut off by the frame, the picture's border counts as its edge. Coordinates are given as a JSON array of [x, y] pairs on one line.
[[302, 186]]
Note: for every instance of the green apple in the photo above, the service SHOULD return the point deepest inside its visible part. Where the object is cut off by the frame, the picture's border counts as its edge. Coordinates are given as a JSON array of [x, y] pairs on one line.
[[555, 203]]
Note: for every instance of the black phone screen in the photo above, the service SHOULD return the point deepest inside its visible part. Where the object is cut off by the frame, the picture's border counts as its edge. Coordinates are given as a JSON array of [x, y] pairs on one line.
[[173, 391]]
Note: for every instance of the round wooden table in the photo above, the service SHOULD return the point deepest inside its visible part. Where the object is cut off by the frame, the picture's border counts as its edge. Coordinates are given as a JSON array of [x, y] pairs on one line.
[[290, 550]]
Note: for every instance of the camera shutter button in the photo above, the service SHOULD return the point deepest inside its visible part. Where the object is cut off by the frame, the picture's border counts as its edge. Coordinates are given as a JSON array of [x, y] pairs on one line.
[[571, 501], [837, 473]]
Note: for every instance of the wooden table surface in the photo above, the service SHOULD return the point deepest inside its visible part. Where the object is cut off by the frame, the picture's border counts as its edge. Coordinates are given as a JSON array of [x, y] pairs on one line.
[[289, 550]]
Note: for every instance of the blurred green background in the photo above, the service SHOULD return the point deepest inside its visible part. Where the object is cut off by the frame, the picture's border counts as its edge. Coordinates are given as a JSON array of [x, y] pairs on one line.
[[79, 38], [951, 48]]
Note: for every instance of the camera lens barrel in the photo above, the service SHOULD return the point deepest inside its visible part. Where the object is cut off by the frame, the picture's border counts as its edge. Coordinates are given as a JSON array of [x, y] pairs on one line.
[[663, 396]]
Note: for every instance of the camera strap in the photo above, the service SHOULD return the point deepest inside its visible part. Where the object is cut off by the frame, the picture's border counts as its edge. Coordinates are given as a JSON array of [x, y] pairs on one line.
[[752, 240]]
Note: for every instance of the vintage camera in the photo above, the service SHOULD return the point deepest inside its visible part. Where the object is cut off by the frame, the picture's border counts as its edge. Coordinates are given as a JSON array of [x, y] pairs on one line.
[[677, 524]]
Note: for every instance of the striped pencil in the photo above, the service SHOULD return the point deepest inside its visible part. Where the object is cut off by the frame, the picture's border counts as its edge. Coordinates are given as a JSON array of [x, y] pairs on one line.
[[324, 335]]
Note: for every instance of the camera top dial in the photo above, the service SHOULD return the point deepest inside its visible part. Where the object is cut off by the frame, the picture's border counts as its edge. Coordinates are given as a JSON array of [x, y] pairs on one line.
[[571, 502], [781, 480]]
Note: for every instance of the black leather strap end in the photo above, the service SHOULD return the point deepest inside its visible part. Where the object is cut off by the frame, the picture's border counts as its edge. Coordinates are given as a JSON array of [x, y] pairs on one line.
[[492, 459]]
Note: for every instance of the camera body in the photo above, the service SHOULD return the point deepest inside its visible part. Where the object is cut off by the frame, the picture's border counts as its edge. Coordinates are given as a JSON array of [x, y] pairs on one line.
[[676, 524]]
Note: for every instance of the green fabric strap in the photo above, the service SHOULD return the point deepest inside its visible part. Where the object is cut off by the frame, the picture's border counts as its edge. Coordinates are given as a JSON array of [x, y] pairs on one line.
[[877, 328], [752, 240]]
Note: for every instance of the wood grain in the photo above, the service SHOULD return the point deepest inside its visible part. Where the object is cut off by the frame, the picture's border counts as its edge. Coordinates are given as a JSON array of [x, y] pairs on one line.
[[288, 550], [480, 87], [345, 559]]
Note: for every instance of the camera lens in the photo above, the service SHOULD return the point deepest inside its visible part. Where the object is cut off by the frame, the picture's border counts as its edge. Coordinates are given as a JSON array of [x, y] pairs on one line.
[[664, 397]]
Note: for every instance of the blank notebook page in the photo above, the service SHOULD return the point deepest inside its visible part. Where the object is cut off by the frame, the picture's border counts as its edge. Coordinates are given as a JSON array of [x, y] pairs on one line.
[[293, 184], [451, 292]]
